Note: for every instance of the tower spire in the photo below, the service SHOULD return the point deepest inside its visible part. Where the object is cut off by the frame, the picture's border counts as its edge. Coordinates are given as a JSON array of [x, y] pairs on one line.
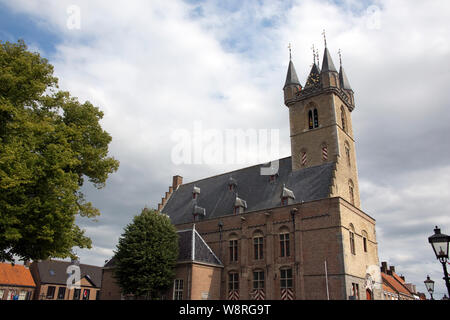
[[324, 38]]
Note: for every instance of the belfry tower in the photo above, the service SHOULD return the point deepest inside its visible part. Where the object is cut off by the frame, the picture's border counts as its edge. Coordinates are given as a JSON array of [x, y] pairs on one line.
[[321, 125]]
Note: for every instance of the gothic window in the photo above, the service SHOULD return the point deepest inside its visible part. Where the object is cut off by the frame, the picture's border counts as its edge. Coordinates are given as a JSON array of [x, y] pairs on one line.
[[350, 191], [284, 243], [343, 119], [352, 239], [347, 153], [258, 246], [316, 119], [310, 120]]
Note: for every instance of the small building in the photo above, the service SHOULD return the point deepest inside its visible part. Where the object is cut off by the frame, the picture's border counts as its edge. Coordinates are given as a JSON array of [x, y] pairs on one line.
[[395, 287], [16, 282], [197, 272], [51, 277]]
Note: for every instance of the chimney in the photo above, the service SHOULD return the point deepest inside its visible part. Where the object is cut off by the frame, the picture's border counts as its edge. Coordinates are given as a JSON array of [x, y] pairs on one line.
[[392, 269], [159, 206], [26, 263], [402, 277], [177, 180], [384, 267]]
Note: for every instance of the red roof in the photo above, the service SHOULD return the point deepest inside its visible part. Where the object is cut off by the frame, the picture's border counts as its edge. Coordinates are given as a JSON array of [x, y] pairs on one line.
[[392, 282], [16, 275]]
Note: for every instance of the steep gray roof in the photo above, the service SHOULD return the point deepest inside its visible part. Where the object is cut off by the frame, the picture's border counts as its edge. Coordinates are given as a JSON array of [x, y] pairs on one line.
[[344, 81], [258, 191], [55, 272], [192, 248], [291, 77], [327, 62]]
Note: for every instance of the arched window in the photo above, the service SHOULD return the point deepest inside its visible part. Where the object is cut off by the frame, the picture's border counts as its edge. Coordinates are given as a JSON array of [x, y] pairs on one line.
[[258, 245], [343, 119], [347, 154], [233, 247], [316, 119], [351, 231], [284, 242], [350, 191], [310, 120]]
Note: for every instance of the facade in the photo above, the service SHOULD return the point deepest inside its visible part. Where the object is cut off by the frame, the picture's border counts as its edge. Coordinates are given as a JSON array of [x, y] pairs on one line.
[[395, 287], [294, 230], [51, 278], [16, 282]]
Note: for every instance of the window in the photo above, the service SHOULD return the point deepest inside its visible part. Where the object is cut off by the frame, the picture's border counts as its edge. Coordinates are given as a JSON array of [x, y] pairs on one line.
[[61, 293], [258, 279], [2, 293], [364, 237], [178, 289], [355, 291], [86, 294], [350, 191], [194, 195], [76, 294], [22, 295], [316, 119], [310, 120], [286, 278], [284, 201], [284, 244], [343, 119], [50, 292], [352, 239], [233, 286], [97, 295], [258, 247], [347, 154], [233, 250], [236, 210]]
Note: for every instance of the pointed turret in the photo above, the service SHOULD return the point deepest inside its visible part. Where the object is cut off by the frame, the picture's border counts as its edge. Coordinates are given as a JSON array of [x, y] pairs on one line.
[[328, 74], [343, 80], [327, 62], [292, 85]]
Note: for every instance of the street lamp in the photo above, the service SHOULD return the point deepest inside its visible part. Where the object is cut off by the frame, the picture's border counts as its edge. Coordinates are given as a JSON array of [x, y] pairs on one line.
[[429, 284], [439, 243]]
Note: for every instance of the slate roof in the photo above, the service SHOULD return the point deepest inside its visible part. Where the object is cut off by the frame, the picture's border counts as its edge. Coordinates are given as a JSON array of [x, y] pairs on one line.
[[343, 79], [55, 272], [188, 239], [17, 275], [192, 248], [327, 62], [291, 77], [257, 190]]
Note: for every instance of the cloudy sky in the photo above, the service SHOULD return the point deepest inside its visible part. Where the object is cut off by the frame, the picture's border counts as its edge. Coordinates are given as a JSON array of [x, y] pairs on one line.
[[158, 68]]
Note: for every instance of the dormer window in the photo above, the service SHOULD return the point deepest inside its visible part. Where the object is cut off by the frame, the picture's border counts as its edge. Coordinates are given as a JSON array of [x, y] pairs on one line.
[[195, 192], [239, 205], [287, 196], [198, 211], [232, 184]]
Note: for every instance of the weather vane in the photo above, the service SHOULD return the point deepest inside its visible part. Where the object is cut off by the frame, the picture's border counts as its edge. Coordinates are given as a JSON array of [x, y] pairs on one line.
[[324, 38], [317, 54], [340, 57], [290, 53], [314, 54]]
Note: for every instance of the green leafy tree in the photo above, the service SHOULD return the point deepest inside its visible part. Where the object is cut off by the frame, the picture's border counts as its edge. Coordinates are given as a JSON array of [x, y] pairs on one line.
[[49, 144], [146, 255]]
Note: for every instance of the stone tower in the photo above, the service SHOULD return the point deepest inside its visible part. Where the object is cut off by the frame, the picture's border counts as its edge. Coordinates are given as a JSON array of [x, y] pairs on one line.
[[321, 125]]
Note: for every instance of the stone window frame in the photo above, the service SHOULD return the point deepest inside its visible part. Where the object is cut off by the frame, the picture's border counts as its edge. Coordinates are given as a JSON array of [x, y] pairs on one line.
[[285, 278], [351, 231], [258, 283], [233, 246], [284, 236], [258, 245], [233, 280]]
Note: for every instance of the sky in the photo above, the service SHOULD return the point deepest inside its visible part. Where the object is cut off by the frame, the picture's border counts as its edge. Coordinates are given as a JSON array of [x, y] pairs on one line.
[[159, 70]]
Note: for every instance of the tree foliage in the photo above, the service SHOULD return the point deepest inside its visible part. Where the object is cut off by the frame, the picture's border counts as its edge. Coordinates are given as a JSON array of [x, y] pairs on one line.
[[49, 143], [146, 255]]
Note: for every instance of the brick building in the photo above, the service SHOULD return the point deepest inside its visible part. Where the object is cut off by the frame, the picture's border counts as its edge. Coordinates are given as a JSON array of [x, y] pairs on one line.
[[51, 278], [395, 286], [297, 232], [16, 282], [197, 272]]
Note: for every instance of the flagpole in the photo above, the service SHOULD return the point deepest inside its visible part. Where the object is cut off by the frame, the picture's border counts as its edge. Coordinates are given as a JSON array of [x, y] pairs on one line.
[[326, 280]]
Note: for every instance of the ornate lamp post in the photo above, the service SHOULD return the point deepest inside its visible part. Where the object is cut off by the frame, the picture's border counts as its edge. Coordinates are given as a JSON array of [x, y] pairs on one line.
[[429, 284], [439, 243]]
